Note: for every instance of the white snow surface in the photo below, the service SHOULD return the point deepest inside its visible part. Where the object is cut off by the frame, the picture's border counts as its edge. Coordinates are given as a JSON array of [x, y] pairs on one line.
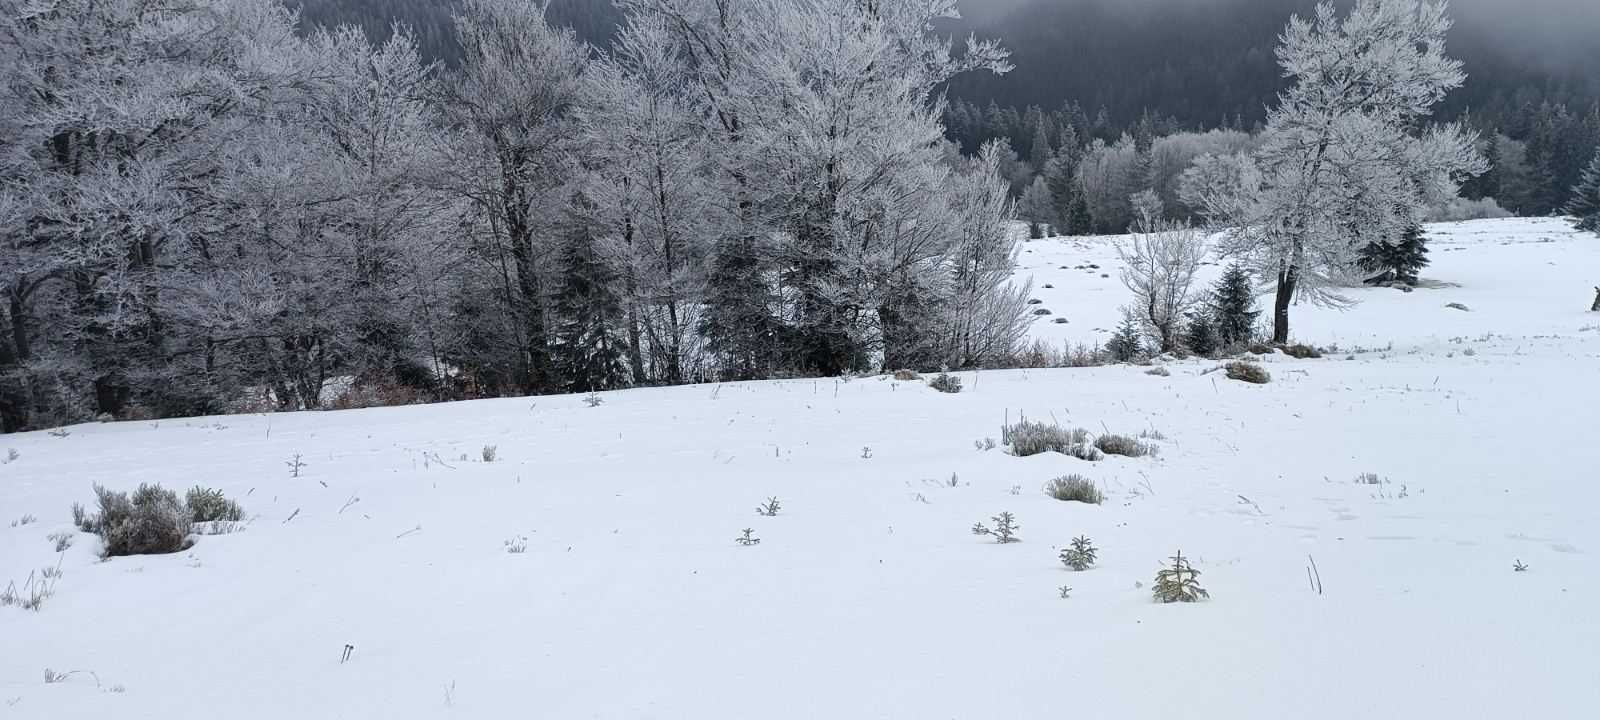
[[868, 596]]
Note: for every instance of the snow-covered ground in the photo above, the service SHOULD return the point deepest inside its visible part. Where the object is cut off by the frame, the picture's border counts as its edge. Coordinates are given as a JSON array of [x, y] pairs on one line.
[[868, 596]]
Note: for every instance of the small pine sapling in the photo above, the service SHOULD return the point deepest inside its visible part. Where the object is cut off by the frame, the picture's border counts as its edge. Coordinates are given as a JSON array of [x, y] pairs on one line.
[[1081, 555], [1066, 592], [769, 509], [747, 539], [489, 453], [1179, 583], [1519, 567], [295, 466], [1004, 531]]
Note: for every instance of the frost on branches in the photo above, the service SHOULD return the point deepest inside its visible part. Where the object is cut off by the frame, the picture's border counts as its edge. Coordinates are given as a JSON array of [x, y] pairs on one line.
[[1345, 159], [204, 210]]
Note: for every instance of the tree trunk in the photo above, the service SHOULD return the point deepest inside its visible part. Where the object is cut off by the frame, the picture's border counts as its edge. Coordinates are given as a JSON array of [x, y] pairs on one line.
[[1280, 309], [19, 324]]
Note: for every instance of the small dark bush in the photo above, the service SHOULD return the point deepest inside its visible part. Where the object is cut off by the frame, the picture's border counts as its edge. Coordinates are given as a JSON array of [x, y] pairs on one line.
[[1041, 312], [1158, 371], [1256, 348], [906, 375], [1074, 488], [946, 383], [152, 522], [1123, 445], [208, 505], [1249, 372]]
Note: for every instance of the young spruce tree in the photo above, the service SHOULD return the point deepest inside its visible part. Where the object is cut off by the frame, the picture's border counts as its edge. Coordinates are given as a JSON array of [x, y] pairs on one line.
[[1127, 344], [1398, 261], [588, 350], [1234, 307]]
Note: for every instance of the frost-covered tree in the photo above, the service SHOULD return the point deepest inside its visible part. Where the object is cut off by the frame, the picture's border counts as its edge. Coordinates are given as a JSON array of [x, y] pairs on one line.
[[1585, 205], [651, 165], [984, 312], [1159, 266], [1345, 159], [512, 97]]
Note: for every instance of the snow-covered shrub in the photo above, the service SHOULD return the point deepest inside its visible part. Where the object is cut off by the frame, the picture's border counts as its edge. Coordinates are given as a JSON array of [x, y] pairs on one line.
[[1081, 555], [1301, 351], [770, 508], [946, 383], [1074, 488], [24, 520], [1032, 438], [1123, 445], [11, 456], [152, 522], [593, 399], [1004, 530], [489, 452], [209, 505], [1246, 371], [1158, 371], [906, 375], [1179, 583]]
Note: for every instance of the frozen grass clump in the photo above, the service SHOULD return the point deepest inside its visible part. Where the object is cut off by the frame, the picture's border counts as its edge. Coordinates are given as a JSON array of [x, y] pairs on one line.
[[1028, 438], [153, 521], [946, 383], [1123, 445], [1074, 488], [1245, 371], [1302, 351]]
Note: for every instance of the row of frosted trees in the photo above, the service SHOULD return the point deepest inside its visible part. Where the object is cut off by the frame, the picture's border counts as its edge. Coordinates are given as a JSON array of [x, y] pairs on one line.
[[203, 211]]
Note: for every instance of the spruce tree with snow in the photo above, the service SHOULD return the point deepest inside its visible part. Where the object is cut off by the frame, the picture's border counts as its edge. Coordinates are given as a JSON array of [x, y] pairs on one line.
[[1127, 343], [1585, 205], [1345, 159], [587, 352], [1079, 219], [1200, 334], [1398, 260], [1233, 307]]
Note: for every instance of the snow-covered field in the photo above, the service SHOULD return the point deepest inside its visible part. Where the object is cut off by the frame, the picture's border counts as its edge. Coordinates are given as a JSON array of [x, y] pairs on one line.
[[868, 596]]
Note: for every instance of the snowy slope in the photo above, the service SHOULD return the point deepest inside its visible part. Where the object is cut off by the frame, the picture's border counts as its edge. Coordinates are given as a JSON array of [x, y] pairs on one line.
[[868, 597]]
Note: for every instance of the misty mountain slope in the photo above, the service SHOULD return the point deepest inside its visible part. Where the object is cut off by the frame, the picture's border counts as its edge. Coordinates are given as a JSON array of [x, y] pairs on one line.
[[591, 570], [1205, 60]]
